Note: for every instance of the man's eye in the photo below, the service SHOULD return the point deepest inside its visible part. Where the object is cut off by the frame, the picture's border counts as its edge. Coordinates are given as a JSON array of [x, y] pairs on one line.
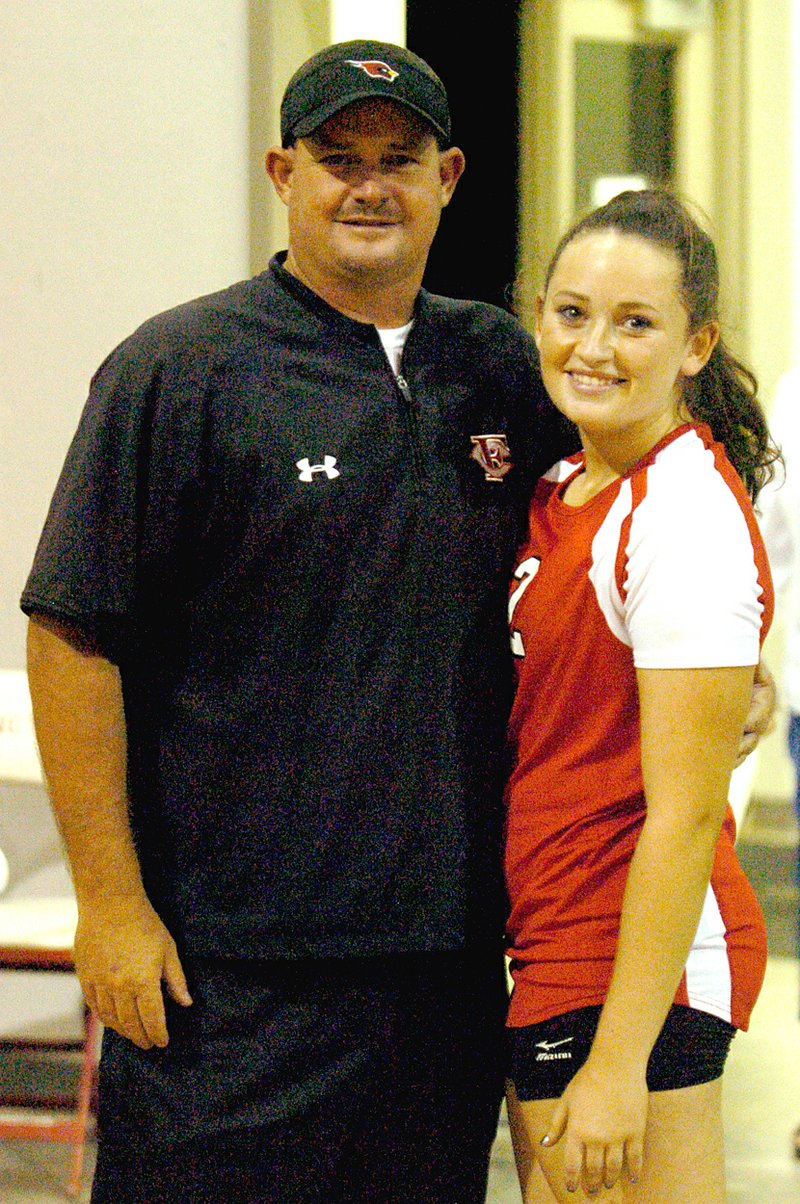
[[638, 322], [570, 313]]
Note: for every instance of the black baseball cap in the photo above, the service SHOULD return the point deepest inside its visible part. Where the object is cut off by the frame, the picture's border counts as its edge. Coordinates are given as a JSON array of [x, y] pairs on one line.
[[361, 70]]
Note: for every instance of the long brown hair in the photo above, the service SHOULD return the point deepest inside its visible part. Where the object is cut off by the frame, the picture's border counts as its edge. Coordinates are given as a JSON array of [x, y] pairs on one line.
[[724, 394]]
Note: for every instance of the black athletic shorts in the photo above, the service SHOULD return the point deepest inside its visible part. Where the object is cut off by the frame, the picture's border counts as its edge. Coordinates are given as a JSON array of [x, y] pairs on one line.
[[358, 1081], [691, 1049]]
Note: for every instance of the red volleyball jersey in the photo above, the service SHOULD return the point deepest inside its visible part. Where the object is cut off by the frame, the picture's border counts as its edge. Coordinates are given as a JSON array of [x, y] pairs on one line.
[[665, 568]]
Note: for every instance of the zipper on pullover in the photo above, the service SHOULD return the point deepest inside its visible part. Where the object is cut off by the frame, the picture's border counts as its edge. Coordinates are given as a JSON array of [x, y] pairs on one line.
[[411, 409]]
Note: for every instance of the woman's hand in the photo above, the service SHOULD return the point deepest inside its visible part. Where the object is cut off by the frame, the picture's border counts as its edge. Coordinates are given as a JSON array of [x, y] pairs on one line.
[[601, 1119]]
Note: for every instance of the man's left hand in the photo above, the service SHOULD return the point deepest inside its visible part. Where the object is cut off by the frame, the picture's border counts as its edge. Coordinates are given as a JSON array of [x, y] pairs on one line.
[[761, 716]]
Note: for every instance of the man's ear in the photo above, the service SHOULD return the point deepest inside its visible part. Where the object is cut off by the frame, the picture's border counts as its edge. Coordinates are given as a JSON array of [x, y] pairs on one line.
[[451, 167], [539, 318], [279, 163]]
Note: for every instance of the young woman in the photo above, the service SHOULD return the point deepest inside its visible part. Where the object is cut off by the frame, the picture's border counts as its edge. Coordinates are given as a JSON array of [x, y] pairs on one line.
[[639, 605]]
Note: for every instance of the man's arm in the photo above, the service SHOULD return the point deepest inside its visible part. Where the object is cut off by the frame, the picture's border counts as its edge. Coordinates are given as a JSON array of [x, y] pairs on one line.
[[761, 714], [123, 952]]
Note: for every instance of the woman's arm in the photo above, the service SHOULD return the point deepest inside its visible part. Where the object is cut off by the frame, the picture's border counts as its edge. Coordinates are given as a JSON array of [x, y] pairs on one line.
[[691, 720]]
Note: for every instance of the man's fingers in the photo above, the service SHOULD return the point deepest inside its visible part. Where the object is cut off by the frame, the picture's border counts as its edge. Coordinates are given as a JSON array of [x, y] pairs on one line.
[[105, 1007], [175, 979], [129, 1022], [123, 956], [747, 744], [138, 1017], [90, 997], [153, 1019]]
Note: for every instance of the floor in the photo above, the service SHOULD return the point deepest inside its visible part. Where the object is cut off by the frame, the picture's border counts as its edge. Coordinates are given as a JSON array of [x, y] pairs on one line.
[[762, 1091], [762, 1108]]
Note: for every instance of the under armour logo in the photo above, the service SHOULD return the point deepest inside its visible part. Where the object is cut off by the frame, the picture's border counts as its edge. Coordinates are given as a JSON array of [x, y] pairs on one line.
[[307, 469]]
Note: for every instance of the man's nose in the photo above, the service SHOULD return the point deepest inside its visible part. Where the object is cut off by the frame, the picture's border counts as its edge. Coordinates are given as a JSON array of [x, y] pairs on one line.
[[369, 186]]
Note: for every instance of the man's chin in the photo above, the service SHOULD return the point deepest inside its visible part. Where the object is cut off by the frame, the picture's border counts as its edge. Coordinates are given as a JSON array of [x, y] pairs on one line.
[[368, 261]]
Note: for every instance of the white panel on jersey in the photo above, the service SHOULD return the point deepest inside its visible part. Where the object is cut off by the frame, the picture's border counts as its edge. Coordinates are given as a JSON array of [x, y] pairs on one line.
[[708, 970], [692, 592], [602, 573], [560, 471]]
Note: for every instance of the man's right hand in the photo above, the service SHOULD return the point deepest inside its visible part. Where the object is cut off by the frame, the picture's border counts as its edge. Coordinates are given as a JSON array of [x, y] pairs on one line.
[[123, 954]]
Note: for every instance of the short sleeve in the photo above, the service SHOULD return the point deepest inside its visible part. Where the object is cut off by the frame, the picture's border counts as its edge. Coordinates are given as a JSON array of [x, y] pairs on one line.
[[125, 500], [692, 586]]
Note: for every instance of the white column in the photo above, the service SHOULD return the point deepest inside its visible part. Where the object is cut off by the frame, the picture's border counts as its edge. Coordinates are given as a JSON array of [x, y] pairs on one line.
[[794, 122], [384, 20], [123, 144]]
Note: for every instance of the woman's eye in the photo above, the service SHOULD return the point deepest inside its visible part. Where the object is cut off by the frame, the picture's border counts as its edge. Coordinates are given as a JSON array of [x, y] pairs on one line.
[[570, 313]]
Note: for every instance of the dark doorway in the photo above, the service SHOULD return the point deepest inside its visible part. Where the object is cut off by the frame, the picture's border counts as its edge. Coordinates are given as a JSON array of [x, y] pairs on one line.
[[474, 51]]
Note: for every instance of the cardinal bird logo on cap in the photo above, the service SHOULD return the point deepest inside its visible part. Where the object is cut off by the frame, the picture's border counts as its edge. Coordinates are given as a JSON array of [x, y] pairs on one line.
[[375, 68]]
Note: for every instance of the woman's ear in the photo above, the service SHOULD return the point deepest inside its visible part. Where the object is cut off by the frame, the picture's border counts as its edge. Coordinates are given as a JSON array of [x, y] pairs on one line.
[[699, 348]]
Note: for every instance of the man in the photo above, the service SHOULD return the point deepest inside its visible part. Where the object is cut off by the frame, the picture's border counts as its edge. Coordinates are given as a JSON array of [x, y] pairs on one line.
[[269, 670], [270, 674]]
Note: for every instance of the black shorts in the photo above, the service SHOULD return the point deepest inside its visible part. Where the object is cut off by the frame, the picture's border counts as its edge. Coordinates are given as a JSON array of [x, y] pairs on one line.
[[691, 1049], [374, 1080]]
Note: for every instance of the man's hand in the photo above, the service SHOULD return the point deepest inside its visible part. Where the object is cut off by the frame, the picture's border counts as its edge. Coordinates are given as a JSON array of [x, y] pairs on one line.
[[761, 716], [123, 953]]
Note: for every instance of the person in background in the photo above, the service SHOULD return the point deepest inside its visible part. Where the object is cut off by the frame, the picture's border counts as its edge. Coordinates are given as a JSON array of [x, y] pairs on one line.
[[637, 611], [779, 506]]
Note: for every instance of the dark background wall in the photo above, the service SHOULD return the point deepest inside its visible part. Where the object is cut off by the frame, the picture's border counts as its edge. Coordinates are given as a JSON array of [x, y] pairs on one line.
[[474, 51]]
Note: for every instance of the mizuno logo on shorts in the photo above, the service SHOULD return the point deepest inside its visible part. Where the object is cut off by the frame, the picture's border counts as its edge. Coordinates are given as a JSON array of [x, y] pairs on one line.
[[548, 1048]]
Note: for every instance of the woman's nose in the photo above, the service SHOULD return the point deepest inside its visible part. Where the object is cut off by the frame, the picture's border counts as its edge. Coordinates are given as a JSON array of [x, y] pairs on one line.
[[596, 342]]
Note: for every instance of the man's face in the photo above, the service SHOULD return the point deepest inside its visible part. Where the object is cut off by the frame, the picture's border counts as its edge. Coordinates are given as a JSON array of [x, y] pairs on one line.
[[364, 192]]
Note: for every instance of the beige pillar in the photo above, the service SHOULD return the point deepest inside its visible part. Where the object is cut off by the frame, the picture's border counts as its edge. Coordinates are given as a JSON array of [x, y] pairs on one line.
[[123, 134], [384, 20]]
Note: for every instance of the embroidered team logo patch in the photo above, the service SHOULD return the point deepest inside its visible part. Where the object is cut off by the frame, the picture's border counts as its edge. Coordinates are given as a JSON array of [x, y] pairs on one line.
[[493, 454], [375, 69]]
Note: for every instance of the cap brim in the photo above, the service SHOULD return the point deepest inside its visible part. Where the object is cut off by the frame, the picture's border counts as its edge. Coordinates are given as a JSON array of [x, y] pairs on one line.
[[314, 120]]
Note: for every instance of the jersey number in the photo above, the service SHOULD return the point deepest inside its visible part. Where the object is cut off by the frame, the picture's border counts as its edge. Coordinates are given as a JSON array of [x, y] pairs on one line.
[[524, 573]]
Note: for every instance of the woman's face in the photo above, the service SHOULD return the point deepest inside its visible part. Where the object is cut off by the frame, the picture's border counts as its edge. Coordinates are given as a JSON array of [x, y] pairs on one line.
[[613, 336]]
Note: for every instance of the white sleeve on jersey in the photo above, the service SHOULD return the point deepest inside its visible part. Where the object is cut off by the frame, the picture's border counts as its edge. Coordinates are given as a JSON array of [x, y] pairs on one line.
[[690, 594]]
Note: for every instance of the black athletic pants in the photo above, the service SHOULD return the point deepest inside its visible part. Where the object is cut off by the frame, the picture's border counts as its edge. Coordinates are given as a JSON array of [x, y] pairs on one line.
[[317, 1082]]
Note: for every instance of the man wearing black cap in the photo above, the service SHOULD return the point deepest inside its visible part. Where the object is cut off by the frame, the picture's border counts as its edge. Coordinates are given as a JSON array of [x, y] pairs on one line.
[[270, 674]]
